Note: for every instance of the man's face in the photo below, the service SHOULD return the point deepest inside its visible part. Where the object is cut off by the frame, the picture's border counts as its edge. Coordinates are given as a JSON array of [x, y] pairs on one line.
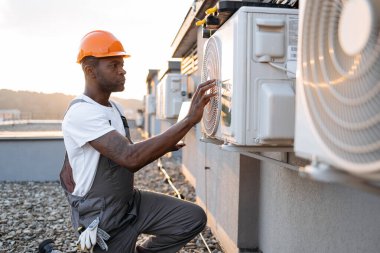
[[111, 74]]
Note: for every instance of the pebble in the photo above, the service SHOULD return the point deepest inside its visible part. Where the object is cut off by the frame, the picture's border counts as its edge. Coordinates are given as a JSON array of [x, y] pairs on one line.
[[31, 212]]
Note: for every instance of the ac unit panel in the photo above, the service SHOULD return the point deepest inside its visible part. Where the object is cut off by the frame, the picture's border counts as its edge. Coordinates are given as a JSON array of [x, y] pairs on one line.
[[304, 143], [277, 102], [150, 104], [270, 37], [337, 100], [159, 102], [171, 86], [308, 144], [241, 75]]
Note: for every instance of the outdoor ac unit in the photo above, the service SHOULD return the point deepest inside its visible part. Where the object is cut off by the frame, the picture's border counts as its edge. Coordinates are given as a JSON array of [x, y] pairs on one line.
[[338, 89], [253, 58], [150, 104], [159, 102], [171, 95]]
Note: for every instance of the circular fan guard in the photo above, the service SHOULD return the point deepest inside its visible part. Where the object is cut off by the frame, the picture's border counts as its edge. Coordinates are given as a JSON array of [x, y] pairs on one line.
[[211, 70], [342, 91]]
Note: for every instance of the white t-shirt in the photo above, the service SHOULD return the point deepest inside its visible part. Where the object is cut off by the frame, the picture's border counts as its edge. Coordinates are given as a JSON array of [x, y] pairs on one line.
[[84, 122]]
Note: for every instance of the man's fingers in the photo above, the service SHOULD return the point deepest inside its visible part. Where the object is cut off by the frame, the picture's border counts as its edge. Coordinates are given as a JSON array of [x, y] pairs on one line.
[[206, 83], [202, 85], [206, 98], [209, 96], [205, 88]]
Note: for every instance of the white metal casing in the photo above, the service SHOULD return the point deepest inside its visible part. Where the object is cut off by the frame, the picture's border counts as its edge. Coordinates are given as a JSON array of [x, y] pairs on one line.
[[304, 146], [150, 104], [308, 143], [169, 95], [262, 100], [159, 101]]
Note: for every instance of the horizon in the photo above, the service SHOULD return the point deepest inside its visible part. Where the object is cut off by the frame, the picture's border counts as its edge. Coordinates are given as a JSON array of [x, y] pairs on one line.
[[114, 94]]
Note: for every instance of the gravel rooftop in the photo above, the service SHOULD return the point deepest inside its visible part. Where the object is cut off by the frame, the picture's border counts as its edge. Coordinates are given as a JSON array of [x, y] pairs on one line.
[[31, 212]]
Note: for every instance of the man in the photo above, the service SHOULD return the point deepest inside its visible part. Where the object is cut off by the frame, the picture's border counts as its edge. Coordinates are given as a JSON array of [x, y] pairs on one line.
[[108, 212]]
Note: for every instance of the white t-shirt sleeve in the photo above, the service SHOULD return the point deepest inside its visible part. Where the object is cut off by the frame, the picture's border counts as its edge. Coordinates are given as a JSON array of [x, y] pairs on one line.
[[84, 122]]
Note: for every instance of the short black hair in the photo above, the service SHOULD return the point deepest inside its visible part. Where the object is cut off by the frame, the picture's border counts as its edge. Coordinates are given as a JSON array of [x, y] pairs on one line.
[[89, 60]]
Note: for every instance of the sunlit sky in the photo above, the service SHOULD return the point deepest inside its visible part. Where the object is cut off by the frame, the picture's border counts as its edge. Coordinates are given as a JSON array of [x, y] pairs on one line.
[[40, 39]]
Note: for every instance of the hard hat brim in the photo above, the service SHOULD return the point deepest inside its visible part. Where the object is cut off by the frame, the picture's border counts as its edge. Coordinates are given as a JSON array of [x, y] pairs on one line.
[[111, 54]]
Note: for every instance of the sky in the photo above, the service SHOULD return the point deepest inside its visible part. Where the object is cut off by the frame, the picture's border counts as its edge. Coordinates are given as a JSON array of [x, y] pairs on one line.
[[40, 40]]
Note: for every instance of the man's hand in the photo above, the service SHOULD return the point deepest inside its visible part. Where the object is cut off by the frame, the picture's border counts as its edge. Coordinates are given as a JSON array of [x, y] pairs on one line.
[[200, 100], [178, 146]]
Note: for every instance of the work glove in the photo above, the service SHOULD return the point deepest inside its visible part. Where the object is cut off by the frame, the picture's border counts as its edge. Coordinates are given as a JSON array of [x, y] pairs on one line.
[[92, 235]]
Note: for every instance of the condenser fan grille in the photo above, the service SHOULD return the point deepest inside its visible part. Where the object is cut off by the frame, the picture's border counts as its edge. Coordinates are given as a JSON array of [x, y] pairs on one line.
[[211, 70], [342, 88]]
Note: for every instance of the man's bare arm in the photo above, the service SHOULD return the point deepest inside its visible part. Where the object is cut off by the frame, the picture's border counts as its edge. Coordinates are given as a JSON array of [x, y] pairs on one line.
[[135, 156]]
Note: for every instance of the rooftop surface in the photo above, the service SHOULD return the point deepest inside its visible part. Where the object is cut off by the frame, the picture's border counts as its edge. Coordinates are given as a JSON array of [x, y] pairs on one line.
[[31, 212]]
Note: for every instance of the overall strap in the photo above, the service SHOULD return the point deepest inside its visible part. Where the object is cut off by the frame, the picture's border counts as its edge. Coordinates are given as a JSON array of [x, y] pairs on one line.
[[73, 102]]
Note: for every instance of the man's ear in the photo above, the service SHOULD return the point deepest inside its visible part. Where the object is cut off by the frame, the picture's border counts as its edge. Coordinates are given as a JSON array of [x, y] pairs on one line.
[[89, 71]]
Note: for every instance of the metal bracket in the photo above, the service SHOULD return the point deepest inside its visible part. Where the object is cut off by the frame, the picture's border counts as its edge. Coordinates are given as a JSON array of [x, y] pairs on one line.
[[325, 173], [317, 171], [211, 140], [268, 159], [240, 149]]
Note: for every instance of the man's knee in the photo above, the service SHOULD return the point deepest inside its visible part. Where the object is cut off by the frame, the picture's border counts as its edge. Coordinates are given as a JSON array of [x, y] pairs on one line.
[[199, 218]]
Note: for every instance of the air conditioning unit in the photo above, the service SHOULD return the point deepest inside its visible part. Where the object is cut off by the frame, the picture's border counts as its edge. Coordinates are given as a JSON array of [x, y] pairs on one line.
[[159, 102], [338, 89], [170, 95], [253, 58], [150, 104]]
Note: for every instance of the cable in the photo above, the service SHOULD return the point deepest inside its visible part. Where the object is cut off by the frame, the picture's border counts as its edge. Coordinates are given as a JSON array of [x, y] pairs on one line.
[[204, 242], [268, 59], [281, 68], [168, 180]]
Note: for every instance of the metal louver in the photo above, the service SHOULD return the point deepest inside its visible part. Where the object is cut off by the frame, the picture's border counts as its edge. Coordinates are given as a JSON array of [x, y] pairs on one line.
[[340, 56], [211, 70]]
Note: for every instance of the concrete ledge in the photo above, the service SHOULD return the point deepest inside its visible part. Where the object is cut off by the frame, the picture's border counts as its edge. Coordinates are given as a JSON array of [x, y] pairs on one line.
[[31, 159], [33, 135]]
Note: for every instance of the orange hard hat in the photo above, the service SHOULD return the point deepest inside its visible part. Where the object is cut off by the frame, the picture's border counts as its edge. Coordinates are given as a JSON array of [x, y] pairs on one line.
[[100, 44]]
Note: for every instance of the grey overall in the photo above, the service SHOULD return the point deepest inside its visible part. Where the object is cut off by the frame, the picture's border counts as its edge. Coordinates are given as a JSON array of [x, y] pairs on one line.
[[125, 212]]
